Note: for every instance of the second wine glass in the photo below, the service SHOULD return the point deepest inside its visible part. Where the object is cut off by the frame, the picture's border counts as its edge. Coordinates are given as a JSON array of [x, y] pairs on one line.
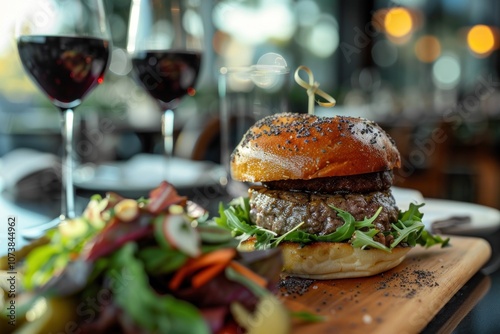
[[165, 41]]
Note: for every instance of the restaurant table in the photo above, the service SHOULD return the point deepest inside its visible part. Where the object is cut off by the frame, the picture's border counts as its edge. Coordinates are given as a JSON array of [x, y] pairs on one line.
[[473, 309]]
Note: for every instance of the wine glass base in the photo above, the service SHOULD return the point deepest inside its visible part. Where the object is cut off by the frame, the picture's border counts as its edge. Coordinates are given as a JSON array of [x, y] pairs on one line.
[[38, 231]]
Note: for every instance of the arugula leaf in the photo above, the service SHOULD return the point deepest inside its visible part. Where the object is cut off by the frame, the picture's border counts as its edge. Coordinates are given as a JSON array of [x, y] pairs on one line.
[[284, 236], [365, 239], [406, 233], [427, 240], [368, 222], [265, 240], [222, 220], [412, 213], [345, 231], [409, 229], [238, 223], [298, 236]]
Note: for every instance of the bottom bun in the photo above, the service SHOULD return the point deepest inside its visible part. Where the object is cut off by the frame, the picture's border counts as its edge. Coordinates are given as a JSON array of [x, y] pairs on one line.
[[332, 260]]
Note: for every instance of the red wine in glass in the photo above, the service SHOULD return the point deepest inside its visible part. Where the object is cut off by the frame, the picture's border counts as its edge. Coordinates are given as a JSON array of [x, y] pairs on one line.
[[165, 42], [65, 68], [66, 56], [167, 75]]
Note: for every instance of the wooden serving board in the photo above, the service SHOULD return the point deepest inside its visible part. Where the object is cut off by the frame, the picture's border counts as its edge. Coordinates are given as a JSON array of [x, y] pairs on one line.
[[401, 300]]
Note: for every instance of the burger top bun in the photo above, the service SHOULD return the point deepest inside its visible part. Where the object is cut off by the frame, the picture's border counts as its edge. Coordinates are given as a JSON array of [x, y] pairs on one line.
[[302, 146]]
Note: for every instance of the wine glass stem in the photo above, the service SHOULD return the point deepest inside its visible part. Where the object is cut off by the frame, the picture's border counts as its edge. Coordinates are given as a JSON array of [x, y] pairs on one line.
[[168, 132], [168, 137], [68, 190]]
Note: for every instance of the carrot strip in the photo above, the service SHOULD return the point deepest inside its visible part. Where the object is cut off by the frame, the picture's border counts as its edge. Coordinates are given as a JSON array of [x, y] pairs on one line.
[[179, 276], [241, 269], [217, 256], [221, 256], [205, 275]]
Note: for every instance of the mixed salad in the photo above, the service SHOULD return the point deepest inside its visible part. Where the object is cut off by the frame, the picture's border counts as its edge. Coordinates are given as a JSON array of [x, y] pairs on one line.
[[152, 265]]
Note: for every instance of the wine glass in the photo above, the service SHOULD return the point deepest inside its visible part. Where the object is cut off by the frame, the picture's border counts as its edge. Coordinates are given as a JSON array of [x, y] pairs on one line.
[[64, 47], [165, 40]]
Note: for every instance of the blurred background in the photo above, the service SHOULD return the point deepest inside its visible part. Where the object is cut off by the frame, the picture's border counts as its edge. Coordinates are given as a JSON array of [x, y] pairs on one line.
[[426, 70]]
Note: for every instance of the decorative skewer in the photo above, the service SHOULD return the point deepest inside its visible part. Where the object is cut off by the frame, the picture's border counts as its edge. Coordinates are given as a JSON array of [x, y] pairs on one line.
[[312, 88]]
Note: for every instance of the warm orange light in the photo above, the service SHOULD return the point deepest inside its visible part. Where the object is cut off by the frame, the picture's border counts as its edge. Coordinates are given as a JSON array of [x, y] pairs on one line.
[[481, 39], [427, 48], [378, 19], [398, 22]]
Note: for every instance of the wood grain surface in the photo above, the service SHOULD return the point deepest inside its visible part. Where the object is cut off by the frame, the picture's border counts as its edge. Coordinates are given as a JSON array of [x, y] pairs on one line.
[[402, 300]]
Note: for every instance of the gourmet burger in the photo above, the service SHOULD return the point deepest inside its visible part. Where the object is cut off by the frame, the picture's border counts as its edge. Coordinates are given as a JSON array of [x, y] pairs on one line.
[[325, 196]]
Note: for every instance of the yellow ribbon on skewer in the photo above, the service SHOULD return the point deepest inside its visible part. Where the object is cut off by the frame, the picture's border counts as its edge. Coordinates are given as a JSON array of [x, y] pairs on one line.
[[312, 88]]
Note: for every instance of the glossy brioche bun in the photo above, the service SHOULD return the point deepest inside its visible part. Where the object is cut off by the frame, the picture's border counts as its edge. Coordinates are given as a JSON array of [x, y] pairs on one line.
[[333, 260], [302, 146]]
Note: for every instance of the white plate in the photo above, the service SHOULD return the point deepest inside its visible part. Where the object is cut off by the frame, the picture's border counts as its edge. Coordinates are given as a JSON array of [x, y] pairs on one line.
[[483, 219], [144, 172]]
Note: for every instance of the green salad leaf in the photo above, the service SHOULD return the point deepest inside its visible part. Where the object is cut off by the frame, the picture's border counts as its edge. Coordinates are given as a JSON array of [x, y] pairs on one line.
[[162, 314], [408, 230], [65, 245]]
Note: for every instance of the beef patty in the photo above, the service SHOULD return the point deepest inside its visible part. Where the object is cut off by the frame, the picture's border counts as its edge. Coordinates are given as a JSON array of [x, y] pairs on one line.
[[363, 183], [280, 211]]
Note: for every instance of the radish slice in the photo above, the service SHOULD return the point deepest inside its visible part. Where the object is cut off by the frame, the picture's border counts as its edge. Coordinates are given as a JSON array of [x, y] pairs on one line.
[[181, 235]]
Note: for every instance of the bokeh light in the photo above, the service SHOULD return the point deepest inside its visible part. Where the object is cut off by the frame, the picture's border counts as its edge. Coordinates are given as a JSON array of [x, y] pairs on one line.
[[120, 63], [193, 23], [398, 22], [481, 40], [446, 72], [427, 48], [323, 38], [307, 12], [255, 24], [384, 53]]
